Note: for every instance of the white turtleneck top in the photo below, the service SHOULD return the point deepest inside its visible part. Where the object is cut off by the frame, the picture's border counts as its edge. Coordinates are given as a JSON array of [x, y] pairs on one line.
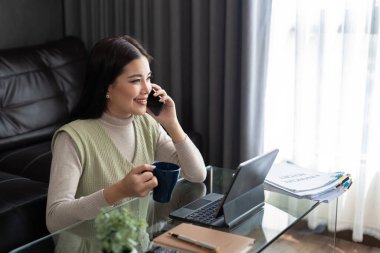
[[64, 209]]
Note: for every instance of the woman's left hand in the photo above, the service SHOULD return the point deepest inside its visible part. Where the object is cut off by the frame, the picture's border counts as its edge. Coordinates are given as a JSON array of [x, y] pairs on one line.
[[168, 115]]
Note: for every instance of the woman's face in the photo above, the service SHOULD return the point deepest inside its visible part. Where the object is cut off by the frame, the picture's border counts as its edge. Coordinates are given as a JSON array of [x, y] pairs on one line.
[[128, 94]]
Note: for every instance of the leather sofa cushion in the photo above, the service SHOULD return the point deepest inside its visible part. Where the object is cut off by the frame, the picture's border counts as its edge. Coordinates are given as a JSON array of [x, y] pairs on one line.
[[22, 211], [39, 89], [31, 162]]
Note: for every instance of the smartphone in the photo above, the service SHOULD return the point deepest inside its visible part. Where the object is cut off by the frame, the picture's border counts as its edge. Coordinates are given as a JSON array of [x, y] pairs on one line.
[[154, 104]]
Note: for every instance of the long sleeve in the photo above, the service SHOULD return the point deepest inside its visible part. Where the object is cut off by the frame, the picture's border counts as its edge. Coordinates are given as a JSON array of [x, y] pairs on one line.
[[63, 208], [185, 153]]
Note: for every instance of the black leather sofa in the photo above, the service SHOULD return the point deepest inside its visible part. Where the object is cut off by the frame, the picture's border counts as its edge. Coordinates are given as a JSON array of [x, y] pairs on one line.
[[39, 89]]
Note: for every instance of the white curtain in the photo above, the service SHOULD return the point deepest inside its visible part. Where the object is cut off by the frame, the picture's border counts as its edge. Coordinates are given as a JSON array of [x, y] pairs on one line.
[[322, 108]]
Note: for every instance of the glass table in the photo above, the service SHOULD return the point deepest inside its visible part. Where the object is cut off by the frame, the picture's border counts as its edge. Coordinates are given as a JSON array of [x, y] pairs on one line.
[[266, 226]]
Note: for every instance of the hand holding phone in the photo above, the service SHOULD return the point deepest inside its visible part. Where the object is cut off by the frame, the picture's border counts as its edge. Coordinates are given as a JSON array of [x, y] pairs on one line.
[[154, 103]]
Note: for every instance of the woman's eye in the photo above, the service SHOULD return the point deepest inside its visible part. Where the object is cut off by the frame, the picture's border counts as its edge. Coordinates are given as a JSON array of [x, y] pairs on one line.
[[135, 81], [148, 79]]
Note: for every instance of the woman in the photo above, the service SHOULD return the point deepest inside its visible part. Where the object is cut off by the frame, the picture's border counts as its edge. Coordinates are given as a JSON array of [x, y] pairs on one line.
[[104, 157]]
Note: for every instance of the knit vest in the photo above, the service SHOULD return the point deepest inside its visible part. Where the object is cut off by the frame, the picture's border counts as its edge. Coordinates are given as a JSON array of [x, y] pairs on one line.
[[102, 162]]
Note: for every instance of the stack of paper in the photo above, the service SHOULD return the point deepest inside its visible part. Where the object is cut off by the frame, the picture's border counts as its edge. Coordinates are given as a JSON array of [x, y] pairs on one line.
[[291, 179]]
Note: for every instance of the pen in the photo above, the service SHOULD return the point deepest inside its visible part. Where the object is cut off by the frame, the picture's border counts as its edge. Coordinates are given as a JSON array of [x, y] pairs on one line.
[[195, 242], [338, 175], [342, 181], [347, 184]]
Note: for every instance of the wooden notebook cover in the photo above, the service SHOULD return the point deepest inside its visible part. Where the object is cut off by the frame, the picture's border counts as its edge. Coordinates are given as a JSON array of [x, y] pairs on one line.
[[225, 242]]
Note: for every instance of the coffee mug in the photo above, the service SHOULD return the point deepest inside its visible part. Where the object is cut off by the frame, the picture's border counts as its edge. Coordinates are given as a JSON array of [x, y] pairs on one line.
[[167, 176]]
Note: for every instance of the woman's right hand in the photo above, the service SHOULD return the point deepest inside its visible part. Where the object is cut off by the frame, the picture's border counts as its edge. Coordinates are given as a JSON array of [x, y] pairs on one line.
[[137, 183]]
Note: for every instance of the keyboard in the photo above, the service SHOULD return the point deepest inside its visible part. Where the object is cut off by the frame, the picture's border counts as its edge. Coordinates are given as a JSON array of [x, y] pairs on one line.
[[206, 214]]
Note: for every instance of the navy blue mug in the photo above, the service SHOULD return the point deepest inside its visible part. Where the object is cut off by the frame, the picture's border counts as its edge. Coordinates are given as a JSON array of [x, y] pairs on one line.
[[167, 176]]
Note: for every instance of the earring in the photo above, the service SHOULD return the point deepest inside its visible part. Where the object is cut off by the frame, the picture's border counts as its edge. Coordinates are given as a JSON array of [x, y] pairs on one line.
[[107, 96]]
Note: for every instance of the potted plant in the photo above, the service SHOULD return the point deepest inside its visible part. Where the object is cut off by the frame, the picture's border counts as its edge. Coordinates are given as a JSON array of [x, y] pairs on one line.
[[118, 230]]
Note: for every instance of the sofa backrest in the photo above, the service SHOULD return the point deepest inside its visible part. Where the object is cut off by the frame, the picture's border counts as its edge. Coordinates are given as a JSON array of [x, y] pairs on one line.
[[39, 88]]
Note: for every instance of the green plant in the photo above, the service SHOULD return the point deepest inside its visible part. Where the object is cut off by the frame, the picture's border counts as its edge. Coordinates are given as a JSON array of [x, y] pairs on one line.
[[118, 230]]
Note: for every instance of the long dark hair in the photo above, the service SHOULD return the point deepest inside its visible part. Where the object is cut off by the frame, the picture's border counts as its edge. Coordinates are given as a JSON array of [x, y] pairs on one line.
[[105, 63]]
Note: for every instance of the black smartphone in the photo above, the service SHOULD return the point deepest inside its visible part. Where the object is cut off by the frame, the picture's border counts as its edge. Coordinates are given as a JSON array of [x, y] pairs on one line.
[[154, 104]]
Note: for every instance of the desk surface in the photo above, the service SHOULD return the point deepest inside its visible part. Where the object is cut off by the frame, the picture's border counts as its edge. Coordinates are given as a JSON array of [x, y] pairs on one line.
[[265, 227]]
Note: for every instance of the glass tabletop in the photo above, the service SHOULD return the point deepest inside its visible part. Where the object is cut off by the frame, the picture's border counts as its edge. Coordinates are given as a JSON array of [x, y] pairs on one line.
[[265, 226]]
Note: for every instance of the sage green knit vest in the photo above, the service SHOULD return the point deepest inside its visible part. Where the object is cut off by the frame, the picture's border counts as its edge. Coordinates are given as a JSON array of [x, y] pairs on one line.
[[102, 163]]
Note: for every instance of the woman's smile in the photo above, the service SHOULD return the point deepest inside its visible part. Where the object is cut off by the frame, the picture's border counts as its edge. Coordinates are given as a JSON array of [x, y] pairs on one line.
[[141, 101]]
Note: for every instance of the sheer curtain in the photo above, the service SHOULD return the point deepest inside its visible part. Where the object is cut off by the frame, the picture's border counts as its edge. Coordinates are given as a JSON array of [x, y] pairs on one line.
[[323, 100]]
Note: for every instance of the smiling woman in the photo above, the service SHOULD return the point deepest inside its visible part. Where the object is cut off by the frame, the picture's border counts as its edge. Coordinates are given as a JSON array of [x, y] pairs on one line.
[[117, 66], [108, 152], [128, 94]]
